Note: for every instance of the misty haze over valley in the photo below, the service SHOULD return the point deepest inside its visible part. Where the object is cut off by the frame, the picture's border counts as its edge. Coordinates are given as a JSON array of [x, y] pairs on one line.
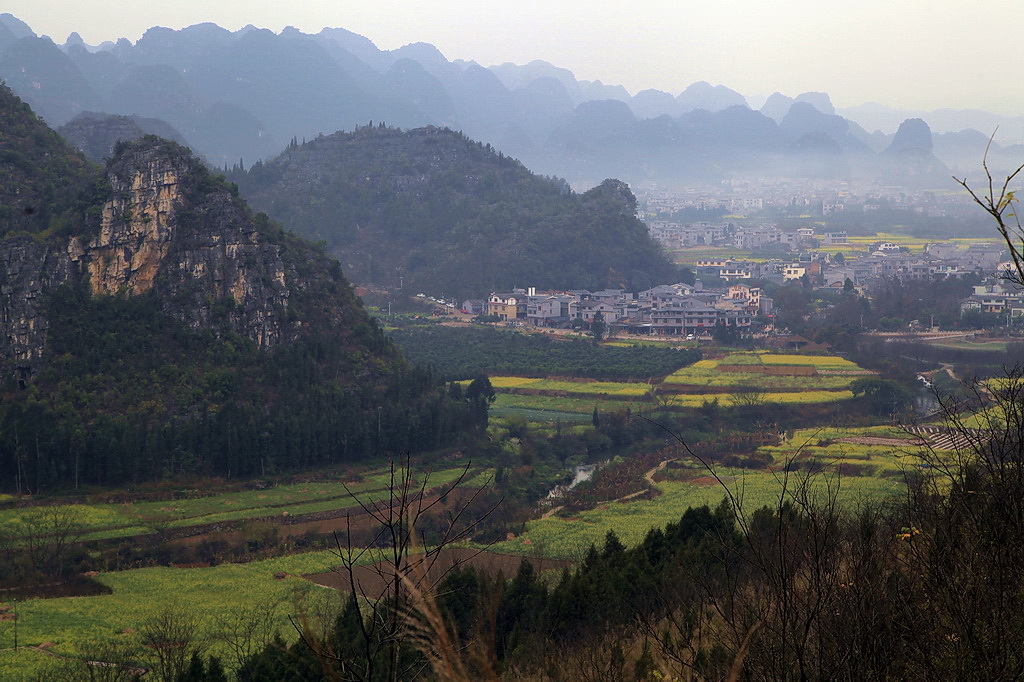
[[238, 97]]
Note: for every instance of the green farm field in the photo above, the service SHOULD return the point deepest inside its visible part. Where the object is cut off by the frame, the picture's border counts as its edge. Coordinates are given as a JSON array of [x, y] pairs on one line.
[[80, 626], [705, 378], [882, 451], [100, 521], [549, 405], [870, 470], [912, 242], [569, 538], [820, 362], [608, 388], [767, 398], [660, 342], [832, 374], [961, 344]]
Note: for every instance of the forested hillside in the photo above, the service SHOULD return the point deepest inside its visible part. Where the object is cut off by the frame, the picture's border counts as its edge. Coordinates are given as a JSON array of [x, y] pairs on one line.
[[45, 184], [429, 209], [152, 326]]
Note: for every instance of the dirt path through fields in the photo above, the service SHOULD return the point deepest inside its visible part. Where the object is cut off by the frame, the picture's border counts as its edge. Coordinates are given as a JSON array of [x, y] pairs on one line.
[[551, 512], [648, 476]]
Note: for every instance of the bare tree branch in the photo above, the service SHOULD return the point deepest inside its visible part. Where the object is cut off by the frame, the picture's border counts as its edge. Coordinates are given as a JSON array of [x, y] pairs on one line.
[[999, 202]]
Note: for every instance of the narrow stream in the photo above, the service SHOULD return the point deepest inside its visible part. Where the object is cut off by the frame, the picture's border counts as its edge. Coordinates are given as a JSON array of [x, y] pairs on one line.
[[582, 473]]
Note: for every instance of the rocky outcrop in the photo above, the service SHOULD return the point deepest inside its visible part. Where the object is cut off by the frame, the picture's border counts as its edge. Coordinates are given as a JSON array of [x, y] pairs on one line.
[[27, 269], [151, 326], [137, 225], [171, 229], [167, 228]]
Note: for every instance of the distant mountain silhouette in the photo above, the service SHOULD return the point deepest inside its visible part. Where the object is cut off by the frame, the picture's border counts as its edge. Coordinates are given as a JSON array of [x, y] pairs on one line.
[[777, 106], [655, 103], [913, 137], [239, 96], [47, 79], [702, 95], [514, 76], [15, 26], [804, 118], [965, 149], [909, 156], [96, 135], [818, 100]]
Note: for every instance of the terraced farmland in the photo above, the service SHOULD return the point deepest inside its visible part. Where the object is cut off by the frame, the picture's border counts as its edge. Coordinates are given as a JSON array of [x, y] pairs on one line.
[[768, 372], [555, 387], [741, 398], [734, 379]]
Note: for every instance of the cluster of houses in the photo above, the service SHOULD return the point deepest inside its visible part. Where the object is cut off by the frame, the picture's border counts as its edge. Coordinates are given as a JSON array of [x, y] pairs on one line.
[[681, 309], [747, 237], [996, 297], [678, 309]]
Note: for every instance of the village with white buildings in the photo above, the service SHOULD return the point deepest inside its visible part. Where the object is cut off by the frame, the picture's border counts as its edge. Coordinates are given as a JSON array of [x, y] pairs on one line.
[[728, 293], [676, 309]]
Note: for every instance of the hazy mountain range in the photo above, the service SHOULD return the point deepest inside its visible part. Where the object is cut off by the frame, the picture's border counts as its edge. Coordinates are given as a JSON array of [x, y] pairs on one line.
[[244, 95]]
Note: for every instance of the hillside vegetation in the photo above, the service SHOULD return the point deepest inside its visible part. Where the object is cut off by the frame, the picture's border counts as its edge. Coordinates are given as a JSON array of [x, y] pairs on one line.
[[152, 327], [45, 184], [432, 210]]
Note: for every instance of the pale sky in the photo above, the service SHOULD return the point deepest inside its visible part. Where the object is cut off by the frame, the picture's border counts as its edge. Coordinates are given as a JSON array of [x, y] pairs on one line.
[[912, 54]]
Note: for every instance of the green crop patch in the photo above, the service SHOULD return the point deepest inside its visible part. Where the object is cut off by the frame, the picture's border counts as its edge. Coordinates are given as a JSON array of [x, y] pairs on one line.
[[80, 626], [569, 538], [104, 521]]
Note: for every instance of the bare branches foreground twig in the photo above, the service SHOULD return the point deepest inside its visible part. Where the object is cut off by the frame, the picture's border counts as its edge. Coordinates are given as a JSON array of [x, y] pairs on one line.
[[400, 605], [998, 202]]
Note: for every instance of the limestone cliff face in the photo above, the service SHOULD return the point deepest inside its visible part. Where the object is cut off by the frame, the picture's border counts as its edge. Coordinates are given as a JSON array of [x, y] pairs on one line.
[[167, 228], [137, 226], [27, 270]]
